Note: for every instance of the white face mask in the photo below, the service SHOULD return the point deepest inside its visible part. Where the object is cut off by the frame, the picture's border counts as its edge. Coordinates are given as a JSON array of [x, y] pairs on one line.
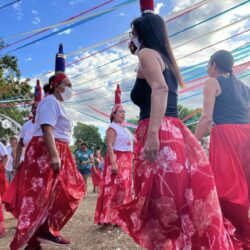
[[67, 94], [135, 45]]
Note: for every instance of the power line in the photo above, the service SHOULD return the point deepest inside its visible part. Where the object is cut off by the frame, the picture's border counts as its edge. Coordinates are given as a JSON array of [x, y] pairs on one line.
[[8, 4]]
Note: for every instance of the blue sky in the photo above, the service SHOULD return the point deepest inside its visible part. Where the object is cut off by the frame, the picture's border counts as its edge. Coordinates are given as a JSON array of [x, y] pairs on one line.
[[38, 58], [28, 15]]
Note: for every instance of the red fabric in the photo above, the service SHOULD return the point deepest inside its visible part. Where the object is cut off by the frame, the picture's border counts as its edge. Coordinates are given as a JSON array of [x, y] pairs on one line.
[[96, 176], [13, 196], [118, 98], [230, 160], [38, 92], [3, 181], [2, 225], [147, 5], [114, 188], [48, 196], [176, 202], [58, 78]]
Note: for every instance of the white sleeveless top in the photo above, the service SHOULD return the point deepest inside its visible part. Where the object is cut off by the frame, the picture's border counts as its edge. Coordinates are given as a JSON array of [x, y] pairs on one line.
[[124, 138]]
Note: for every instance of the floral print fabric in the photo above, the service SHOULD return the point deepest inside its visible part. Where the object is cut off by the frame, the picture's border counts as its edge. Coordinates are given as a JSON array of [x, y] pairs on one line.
[[47, 196], [114, 188], [176, 204]]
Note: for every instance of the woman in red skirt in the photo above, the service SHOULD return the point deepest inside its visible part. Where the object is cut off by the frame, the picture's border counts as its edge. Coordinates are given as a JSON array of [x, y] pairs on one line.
[[3, 161], [176, 205], [116, 182], [96, 169], [227, 103], [2, 224], [13, 196], [53, 185]]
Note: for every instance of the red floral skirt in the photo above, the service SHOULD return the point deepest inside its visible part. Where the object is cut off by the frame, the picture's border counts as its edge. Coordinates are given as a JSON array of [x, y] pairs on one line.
[[95, 176], [176, 205], [230, 161], [2, 225], [48, 197], [3, 181], [114, 188], [13, 196]]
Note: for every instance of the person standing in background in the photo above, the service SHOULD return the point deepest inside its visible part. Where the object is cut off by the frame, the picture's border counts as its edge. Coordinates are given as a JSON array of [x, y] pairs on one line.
[[14, 195], [3, 184], [11, 149], [3, 162], [85, 161], [97, 168], [116, 182]]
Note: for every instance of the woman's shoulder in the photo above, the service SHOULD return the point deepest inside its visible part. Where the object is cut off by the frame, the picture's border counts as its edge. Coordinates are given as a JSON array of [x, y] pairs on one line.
[[144, 52], [211, 81]]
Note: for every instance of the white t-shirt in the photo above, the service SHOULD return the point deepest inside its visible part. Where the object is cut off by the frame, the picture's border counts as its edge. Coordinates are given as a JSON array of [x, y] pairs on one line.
[[124, 138], [3, 150], [51, 111], [27, 132], [9, 165]]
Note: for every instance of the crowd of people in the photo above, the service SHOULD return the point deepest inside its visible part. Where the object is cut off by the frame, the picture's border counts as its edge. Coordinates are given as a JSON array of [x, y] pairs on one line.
[[158, 185]]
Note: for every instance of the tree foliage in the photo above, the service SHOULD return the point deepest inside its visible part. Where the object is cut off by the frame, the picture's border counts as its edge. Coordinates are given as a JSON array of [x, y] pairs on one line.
[[185, 112], [89, 134], [12, 87]]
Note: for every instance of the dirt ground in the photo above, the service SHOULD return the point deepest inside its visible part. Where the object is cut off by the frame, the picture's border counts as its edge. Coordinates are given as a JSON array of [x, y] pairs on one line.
[[84, 235]]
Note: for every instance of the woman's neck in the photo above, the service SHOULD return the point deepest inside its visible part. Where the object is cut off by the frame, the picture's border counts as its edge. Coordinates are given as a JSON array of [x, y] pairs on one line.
[[58, 96], [221, 74], [119, 123]]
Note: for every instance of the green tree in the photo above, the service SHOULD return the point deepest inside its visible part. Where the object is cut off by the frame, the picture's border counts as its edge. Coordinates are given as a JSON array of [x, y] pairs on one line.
[[89, 134], [12, 87], [133, 121], [185, 112]]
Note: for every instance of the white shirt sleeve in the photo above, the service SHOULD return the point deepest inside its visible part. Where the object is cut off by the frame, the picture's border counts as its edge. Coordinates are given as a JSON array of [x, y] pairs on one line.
[[3, 150], [48, 113], [23, 130]]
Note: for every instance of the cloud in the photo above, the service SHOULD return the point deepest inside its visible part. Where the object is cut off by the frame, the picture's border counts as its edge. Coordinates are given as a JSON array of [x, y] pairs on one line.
[[28, 59], [66, 32], [36, 20], [122, 14], [18, 9], [102, 98], [34, 12], [73, 2], [158, 7]]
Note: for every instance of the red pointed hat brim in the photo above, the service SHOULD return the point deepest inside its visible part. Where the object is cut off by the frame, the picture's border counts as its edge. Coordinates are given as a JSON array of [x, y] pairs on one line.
[[118, 93], [147, 6]]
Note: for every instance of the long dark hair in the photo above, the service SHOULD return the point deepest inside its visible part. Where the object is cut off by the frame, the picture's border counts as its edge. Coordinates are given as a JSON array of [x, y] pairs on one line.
[[152, 32], [51, 88], [224, 62]]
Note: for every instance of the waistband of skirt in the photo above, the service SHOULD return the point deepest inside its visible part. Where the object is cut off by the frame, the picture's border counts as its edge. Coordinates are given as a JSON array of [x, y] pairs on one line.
[[41, 139], [125, 152], [168, 118]]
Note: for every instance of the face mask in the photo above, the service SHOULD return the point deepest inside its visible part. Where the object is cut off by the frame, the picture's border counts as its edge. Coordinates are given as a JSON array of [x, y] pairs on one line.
[[67, 94], [134, 45]]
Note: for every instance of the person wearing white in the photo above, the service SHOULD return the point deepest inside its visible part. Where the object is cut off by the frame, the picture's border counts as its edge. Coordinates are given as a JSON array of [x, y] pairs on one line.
[[3, 161], [57, 118], [3, 154], [26, 135], [11, 150]]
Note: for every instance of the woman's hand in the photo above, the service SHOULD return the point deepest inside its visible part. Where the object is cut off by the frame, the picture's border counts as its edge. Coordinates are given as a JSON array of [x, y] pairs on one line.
[[55, 163], [151, 147], [16, 167], [114, 168]]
